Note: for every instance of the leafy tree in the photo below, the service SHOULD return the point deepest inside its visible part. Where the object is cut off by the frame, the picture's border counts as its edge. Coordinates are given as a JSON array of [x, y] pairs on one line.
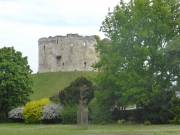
[[15, 80], [135, 66], [175, 111], [173, 60], [71, 94]]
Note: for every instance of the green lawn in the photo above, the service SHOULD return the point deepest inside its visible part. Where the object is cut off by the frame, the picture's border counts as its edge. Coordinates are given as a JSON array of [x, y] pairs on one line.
[[22, 129], [47, 84]]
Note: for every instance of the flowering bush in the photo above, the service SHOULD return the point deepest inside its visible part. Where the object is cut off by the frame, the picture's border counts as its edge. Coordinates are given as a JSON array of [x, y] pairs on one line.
[[16, 114], [33, 110], [51, 113]]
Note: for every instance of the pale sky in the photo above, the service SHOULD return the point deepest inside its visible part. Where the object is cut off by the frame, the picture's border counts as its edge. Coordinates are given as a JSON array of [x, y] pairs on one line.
[[23, 22]]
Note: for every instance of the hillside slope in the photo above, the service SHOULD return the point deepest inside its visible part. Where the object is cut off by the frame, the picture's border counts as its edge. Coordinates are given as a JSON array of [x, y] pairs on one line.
[[47, 84]]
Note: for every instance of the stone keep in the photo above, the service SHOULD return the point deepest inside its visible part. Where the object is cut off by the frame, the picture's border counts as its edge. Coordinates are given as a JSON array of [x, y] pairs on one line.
[[67, 53]]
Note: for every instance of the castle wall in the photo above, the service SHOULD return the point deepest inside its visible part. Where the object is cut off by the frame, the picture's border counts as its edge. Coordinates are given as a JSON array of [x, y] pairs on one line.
[[67, 53]]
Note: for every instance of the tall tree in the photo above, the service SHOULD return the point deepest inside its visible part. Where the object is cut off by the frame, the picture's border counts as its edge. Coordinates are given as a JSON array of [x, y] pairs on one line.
[[134, 66], [15, 80], [173, 60]]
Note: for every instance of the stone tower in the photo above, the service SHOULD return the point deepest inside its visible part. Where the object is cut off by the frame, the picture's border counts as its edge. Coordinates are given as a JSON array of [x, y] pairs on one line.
[[67, 53]]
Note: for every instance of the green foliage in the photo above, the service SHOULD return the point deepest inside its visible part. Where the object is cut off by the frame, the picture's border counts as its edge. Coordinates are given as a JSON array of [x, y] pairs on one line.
[[33, 110], [15, 80], [175, 111], [100, 109], [121, 121], [158, 108], [173, 58], [71, 94], [135, 66], [147, 122], [69, 114]]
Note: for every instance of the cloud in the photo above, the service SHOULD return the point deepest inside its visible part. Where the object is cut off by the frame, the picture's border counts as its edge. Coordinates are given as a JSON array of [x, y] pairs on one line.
[[55, 12]]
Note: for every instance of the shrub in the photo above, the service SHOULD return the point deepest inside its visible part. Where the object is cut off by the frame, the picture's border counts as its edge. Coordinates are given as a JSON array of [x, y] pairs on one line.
[[51, 113], [175, 109], [101, 107], [147, 122], [33, 110], [99, 113], [121, 121], [176, 120], [69, 114], [16, 114]]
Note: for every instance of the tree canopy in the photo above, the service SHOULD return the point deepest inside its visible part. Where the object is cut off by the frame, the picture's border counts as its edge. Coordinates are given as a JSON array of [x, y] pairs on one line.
[[79, 89], [15, 80], [141, 63]]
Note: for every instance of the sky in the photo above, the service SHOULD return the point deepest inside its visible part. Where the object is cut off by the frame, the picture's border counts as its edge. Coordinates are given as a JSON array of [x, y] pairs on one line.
[[23, 22]]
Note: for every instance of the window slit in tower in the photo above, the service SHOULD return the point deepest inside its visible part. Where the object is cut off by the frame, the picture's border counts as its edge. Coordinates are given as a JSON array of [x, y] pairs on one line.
[[44, 47], [85, 64]]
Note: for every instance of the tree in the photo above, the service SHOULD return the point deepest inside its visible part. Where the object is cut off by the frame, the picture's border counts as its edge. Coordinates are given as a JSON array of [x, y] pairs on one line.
[[173, 58], [134, 66], [79, 89], [15, 80]]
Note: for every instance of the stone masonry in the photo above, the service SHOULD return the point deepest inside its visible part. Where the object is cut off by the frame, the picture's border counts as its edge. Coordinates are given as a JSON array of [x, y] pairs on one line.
[[67, 53]]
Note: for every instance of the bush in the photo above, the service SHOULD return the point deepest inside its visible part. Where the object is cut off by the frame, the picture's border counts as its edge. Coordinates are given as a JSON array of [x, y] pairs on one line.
[[176, 120], [121, 121], [175, 109], [16, 114], [147, 122], [100, 113], [33, 110], [69, 114], [51, 113]]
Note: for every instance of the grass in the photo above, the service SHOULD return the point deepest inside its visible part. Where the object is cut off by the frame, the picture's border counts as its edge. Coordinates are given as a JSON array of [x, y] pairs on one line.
[[23, 129], [47, 84]]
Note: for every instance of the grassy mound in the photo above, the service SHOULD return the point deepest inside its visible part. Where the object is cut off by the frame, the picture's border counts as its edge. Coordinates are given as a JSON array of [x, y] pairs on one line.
[[47, 84]]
